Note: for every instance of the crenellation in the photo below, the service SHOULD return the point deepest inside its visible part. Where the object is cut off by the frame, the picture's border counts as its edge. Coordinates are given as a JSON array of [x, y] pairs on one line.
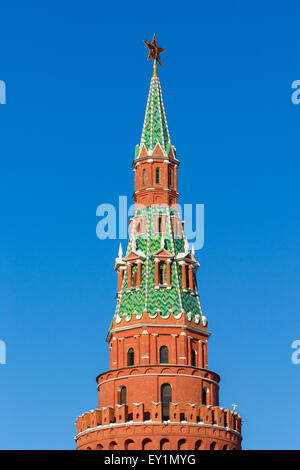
[[108, 415], [191, 412], [179, 412], [121, 413]]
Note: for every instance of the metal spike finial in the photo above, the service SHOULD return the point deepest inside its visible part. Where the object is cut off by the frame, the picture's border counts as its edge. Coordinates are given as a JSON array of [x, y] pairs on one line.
[[186, 245], [120, 251]]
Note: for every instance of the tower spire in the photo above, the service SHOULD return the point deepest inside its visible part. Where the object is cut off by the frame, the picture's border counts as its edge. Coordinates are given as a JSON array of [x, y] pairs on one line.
[[155, 162], [155, 128]]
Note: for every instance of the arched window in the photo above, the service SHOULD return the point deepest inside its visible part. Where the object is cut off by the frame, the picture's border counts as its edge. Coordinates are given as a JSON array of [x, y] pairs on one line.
[[204, 395], [164, 355], [198, 445], [164, 444], [134, 275], [159, 224], [144, 177], [140, 225], [130, 357], [166, 398], [212, 446], [194, 286], [146, 444], [181, 444], [123, 395], [187, 278], [194, 355], [157, 175], [170, 177], [161, 272], [129, 444]]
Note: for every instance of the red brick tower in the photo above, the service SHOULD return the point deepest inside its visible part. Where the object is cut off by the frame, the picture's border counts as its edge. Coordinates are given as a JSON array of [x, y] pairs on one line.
[[159, 393]]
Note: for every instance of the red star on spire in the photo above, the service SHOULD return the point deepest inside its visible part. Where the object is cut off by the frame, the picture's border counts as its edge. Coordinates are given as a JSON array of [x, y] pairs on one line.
[[154, 50]]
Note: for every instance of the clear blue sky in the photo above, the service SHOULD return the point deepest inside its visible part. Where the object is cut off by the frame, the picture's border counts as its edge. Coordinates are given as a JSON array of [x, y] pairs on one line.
[[77, 82]]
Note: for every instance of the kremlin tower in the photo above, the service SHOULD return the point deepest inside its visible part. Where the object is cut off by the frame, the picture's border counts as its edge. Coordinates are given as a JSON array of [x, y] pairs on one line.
[[158, 393]]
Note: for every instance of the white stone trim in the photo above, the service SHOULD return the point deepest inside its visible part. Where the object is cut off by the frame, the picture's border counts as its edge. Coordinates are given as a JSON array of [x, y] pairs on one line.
[[139, 423]]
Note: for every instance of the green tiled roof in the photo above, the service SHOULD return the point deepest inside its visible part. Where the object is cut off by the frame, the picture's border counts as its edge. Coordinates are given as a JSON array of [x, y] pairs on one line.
[[161, 301], [155, 128]]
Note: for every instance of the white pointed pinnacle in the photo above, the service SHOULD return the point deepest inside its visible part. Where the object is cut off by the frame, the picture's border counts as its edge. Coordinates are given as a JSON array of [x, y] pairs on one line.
[[162, 241], [186, 245], [193, 249], [120, 251]]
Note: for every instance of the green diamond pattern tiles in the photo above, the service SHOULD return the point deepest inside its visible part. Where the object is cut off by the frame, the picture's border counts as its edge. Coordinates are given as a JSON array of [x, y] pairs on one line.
[[155, 128], [148, 298]]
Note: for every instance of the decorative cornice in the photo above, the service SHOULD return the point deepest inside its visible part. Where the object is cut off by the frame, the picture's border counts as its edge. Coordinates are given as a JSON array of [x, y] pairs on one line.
[[160, 325]]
